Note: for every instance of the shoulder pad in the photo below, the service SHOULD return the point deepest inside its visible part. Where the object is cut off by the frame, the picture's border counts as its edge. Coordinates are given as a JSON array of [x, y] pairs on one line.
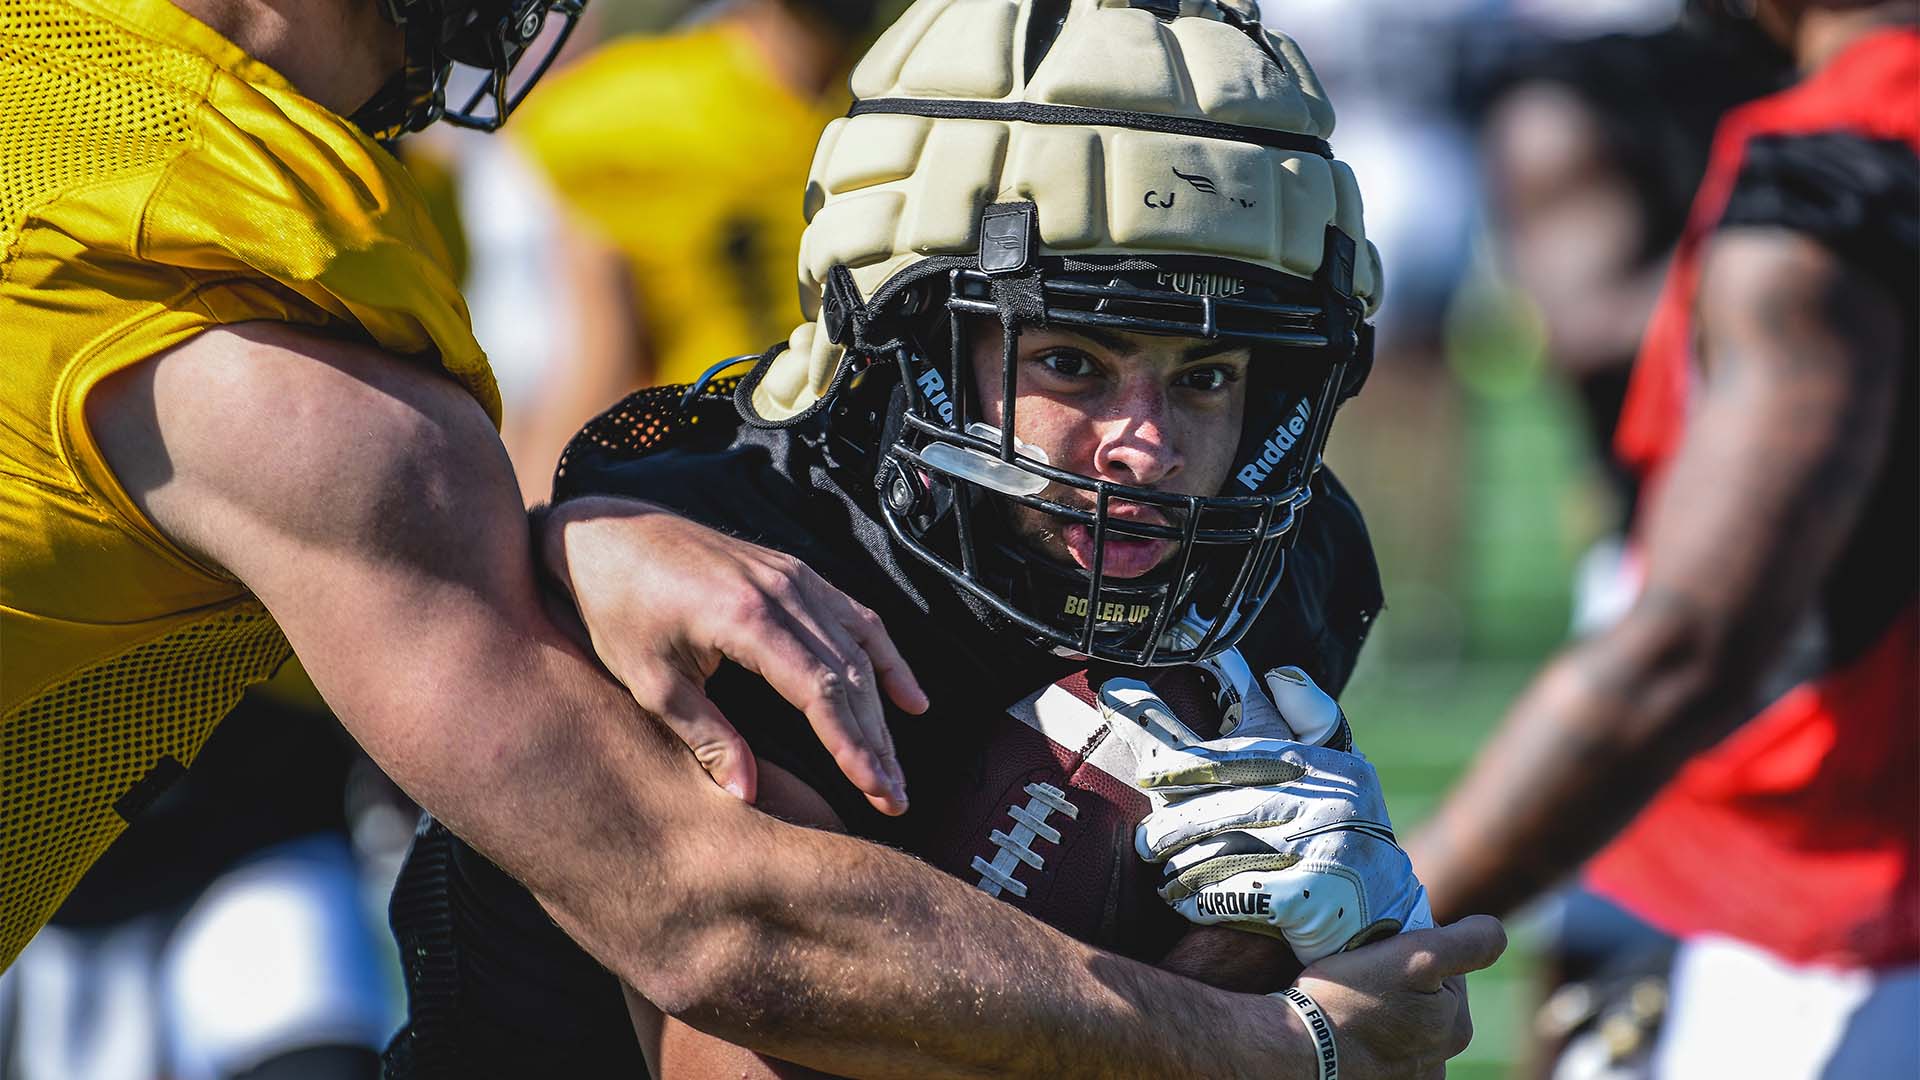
[[647, 421]]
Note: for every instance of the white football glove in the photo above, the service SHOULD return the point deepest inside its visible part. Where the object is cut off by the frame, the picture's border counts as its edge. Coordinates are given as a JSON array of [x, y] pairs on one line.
[[1292, 708], [1267, 833]]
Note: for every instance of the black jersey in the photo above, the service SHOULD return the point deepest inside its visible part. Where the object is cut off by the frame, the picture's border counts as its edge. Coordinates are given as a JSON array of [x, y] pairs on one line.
[[1018, 786]]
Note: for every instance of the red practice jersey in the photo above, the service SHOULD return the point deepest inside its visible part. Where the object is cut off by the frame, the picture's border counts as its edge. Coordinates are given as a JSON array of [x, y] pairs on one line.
[[1800, 833]]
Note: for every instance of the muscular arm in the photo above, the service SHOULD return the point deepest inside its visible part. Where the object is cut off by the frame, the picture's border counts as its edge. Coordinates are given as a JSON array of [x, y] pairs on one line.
[[371, 508], [677, 1051], [1396, 1043], [1790, 430]]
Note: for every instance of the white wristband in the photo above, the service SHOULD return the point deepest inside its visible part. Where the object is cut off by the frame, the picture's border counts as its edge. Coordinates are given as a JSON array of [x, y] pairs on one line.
[[1318, 1026]]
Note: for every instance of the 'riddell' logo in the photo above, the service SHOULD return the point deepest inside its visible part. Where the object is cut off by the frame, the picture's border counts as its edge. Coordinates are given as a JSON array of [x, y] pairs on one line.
[[1285, 434], [935, 390]]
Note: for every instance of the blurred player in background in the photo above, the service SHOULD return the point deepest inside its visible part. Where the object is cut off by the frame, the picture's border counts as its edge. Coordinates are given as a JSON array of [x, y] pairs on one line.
[[1594, 148], [1766, 672], [692, 173], [248, 418], [619, 247]]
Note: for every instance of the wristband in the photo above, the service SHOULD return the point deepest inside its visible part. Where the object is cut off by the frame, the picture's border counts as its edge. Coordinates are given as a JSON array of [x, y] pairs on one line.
[[1318, 1026]]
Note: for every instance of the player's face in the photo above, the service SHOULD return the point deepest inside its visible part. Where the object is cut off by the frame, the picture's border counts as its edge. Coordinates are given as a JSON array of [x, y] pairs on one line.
[[1134, 409]]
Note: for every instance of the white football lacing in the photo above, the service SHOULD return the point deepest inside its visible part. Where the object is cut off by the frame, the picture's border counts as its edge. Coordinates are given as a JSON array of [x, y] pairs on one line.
[[1029, 824]]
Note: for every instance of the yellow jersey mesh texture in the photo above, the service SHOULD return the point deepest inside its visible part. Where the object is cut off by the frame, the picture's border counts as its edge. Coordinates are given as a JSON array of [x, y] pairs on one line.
[[70, 753], [81, 100]]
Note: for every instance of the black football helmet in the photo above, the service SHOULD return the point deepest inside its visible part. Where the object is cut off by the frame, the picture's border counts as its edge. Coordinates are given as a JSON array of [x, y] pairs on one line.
[[493, 38], [945, 477], [1148, 167]]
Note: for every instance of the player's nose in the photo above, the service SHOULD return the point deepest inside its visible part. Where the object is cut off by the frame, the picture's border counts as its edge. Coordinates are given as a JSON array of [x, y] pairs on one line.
[[1136, 443]]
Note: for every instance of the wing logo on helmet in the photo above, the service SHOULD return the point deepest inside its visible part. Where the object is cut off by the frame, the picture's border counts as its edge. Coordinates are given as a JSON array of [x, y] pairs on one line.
[[1200, 183], [970, 190], [1206, 186]]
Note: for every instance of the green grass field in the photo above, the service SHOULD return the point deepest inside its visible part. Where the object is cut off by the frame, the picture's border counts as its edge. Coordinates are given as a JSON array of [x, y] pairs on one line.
[[1419, 736]]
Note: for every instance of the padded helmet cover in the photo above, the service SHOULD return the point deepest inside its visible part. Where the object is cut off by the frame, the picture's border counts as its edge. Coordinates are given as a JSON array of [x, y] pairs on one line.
[[889, 189]]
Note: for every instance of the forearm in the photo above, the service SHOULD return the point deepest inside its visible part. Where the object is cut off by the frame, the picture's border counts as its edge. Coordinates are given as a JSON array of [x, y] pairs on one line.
[[868, 979], [1573, 762], [798, 943], [1787, 437]]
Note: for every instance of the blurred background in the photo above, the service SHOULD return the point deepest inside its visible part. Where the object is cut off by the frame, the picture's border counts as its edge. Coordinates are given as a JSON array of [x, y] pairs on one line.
[[638, 240]]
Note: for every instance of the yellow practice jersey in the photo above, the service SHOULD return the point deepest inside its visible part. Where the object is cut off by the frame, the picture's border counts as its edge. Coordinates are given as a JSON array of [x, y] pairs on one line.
[[154, 182], [687, 155]]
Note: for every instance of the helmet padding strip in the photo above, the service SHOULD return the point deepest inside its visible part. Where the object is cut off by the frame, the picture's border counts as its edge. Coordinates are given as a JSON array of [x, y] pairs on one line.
[[1028, 112]]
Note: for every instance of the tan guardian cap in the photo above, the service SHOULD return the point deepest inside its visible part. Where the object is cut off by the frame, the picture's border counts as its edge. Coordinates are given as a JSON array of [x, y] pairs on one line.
[[1165, 127]]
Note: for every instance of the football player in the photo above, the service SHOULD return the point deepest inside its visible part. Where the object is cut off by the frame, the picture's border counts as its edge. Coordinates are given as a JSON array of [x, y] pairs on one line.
[[207, 268], [245, 416], [1593, 149], [1740, 747], [1087, 286]]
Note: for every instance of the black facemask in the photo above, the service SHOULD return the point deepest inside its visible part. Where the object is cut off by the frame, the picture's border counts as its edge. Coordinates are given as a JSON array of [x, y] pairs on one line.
[[947, 480], [491, 38]]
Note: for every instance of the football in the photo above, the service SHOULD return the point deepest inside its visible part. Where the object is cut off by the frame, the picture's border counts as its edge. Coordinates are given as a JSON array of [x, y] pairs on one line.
[[1045, 820]]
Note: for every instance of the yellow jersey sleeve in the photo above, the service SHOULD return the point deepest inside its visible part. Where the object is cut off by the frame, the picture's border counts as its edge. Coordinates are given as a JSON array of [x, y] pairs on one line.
[[155, 182]]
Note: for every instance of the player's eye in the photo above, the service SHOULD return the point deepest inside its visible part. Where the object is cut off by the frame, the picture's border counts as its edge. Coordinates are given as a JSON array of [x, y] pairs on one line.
[[1068, 362], [1208, 379]]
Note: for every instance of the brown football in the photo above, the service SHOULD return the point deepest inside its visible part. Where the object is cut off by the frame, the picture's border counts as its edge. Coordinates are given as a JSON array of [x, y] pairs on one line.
[[1044, 819]]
